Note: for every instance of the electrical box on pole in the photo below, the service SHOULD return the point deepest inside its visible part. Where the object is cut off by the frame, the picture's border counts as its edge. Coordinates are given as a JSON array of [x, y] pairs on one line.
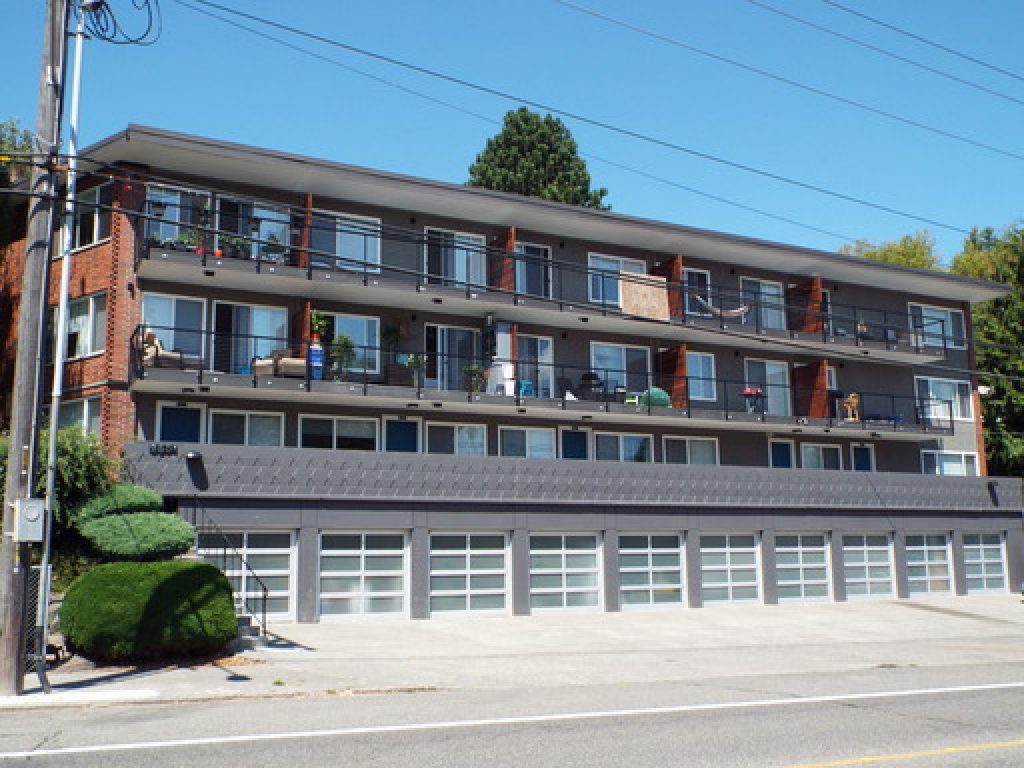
[[29, 515]]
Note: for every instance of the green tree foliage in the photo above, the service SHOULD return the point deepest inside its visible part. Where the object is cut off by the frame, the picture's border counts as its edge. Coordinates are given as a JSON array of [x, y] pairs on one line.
[[121, 499], [537, 157], [83, 470], [999, 328], [137, 611], [12, 170], [917, 250], [142, 536]]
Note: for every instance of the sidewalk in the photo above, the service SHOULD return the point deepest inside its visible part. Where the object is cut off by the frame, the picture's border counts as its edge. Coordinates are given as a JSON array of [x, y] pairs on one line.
[[363, 656]]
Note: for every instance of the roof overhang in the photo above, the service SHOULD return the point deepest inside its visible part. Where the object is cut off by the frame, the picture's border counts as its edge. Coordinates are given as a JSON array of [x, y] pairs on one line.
[[258, 167]]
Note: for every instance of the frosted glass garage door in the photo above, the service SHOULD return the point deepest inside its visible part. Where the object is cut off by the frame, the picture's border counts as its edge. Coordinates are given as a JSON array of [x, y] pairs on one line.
[[650, 569], [362, 573], [867, 565], [928, 568], [253, 560], [729, 568], [467, 572], [984, 562], [801, 566], [564, 570]]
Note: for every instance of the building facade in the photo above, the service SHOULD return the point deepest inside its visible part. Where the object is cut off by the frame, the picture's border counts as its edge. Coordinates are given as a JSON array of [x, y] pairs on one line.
[[393, 396]]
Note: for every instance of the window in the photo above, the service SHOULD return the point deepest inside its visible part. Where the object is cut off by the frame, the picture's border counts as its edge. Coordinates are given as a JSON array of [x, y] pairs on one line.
[[616, 447], [936, 394], [984, 562], [535, 367], [177, 321], [867, 565], [937, 326], [339, 434], [257, 231], [949, 463], [456, 259], [362, 573], [365, 334], [84, 413], [245, 428], [536, 443], [767, 303], [173, 214], [698, 292], [467, 572], [781, 454], [862, 457], [243, 333], [728, 568], [650, 569], [813, 456], [564, 571], [87, 326], [458, 439], [533, 269], [801, 570], [604, 276], [691, 450], [345, 242], [180, 422], [92, 215], [449, 351], [772, 378], [928, 563], [700, 376], [620, 366], [831, 378]]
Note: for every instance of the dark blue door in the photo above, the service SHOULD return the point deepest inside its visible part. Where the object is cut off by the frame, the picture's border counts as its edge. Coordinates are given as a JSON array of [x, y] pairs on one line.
[[180, 424], [574, 445], [402, 436]]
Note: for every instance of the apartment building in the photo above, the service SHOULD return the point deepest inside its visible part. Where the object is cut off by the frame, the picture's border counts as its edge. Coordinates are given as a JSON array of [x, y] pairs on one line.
[[388, 395]]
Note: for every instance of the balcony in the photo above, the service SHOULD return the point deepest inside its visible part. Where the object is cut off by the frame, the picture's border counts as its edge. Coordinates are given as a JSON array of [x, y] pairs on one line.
[[177, 361], [273, 249]]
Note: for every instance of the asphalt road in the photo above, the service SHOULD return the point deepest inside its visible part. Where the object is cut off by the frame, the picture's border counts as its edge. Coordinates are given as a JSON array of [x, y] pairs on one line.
[[883, 716]]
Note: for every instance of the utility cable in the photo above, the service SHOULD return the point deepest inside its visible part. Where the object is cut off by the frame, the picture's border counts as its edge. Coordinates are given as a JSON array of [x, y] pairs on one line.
[[594, 122], [926, 41], [885, 52], [790, 82]]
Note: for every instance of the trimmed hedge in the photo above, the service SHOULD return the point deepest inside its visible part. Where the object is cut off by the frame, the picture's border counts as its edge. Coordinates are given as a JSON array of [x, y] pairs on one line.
[[139, 536], [138, 611], [121, 499]]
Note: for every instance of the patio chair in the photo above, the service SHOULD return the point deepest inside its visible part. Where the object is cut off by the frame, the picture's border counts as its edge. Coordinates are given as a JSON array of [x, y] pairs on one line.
[[155, 356], [851, 405]]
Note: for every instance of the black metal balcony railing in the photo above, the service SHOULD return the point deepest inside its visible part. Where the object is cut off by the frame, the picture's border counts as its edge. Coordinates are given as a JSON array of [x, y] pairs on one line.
[[481, 269], [633, 389]]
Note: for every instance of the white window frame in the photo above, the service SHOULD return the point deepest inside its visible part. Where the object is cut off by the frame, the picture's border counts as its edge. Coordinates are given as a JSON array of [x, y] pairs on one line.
[[257, 242], [821, 447], [652, 568], [548, 277], [956, 401], [620, 436], [565, 588], [802, 567], [211, 412], [984, 561], [545, 368], [455, 425], [253, 339], [341, 261], [687, 271], [728, 568], [938, 464], [792, 452], [868, 580], [766, 386], [470, 239], [377, 351], [92, 198], [334, 429], [665, 439], [401, 418], [748, 320], [927, 335], [713, 381], [91, 406], [528, 430], [592, 273], [926, 562], [439, 382], [468, 572], [175, 297], [177, 222], [406, 593], [160, 404], [871, 450], [831, 378], [90, 325], [603, 374]]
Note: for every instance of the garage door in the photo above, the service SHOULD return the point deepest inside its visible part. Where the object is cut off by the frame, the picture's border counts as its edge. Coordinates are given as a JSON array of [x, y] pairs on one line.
[[467, 572], [269, 556], [564, 570], [984, 562], [650, 569], [729, 568], [867, 565], [362, 573], [801, 566], [928, 563]]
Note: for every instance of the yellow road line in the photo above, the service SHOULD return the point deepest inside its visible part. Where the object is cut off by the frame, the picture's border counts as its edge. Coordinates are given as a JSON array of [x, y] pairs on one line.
[[875, 759]]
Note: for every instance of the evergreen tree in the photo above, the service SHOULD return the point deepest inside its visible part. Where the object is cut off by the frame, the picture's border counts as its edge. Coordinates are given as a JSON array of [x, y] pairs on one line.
[[537, 157]]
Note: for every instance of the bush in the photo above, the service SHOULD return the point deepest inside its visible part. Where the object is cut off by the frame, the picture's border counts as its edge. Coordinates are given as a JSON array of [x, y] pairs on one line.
[[121, 499], [83, 469], [139, 536], [137, 611]]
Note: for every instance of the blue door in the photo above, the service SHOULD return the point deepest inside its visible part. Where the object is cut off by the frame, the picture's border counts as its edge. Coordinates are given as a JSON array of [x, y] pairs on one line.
[[402, 436], [181, 424], [574, 445]]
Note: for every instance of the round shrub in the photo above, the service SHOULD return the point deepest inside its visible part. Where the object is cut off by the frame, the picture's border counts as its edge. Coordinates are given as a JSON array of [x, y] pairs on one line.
[[138, 611], [121, 499], [139, 536]]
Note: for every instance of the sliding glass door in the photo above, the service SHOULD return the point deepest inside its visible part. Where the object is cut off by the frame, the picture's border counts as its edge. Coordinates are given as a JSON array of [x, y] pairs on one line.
[[456, 259], [449, 351], [243, 333], [772, 378]]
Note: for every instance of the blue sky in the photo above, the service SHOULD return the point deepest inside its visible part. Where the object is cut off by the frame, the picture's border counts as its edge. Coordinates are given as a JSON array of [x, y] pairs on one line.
[[206, 78]]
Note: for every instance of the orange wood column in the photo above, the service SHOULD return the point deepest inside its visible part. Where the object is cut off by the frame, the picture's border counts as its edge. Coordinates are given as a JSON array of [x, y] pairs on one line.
[[302, 257], [806, 302], [672, 366], [810, 383]]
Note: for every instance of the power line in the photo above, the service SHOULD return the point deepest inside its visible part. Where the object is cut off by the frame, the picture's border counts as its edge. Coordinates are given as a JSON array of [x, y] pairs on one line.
[[492, 121], [886, 52], [926, 41], [790, 82], [102, 24], [630, 133]]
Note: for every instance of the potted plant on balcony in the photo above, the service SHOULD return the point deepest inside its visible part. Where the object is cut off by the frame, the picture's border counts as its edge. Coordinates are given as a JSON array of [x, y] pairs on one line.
[[343, 352], [417, 364], [317, 326], [475, 375], [234, 247]]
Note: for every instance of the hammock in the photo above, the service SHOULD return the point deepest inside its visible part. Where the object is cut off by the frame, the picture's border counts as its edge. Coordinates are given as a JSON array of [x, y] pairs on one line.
[[740, 312]]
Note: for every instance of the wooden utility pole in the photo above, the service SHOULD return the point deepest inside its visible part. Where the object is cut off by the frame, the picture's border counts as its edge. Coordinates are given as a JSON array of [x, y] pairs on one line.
[[15, 559]]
